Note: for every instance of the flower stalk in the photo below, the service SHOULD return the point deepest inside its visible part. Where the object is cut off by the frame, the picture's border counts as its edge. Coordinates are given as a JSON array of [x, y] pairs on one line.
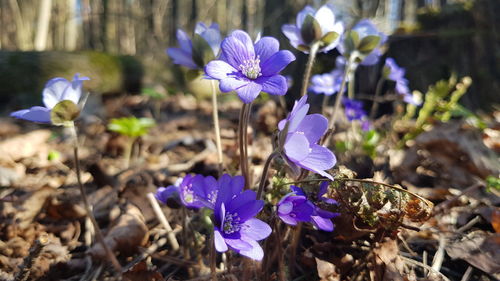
[[99, 236], [336, 107], [378, 91], [243, 142], [264, 173], [310, 61], [215, 116]]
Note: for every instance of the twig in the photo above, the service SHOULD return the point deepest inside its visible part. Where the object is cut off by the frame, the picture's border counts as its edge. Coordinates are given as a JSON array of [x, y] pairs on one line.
[[90, 214], [446, 204], [437, 261], [414, 262], [163, 220], [467, 274], [35, 250], [470, 224], [424, 260]]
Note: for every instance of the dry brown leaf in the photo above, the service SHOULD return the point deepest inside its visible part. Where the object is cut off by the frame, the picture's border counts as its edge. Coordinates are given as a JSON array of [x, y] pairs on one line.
[[326, 271], [141, 272], [480, 249], [127, 234], [32, 206], [495, 220], [389, 264], [25, 145]]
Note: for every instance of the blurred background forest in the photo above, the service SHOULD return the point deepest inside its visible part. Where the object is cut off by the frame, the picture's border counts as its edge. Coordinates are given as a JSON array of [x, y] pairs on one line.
[[121, 44]]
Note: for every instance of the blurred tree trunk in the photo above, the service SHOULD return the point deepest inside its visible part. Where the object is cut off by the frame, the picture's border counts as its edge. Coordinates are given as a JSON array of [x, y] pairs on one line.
[[71, 26], [42, 31], [23, 30], [410, 11]]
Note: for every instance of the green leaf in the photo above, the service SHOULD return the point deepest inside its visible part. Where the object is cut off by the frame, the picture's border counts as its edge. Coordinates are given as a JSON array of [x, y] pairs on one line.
[[64, 113], [131, 126], [53, 155], [150, 92], [310, 30], [329, 38], [492, 183], [202, 52], [351, 41], [368, 43]]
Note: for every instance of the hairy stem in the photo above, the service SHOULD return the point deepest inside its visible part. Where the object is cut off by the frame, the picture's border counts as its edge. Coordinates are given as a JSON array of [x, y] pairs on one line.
[[215, 116], [324, 105], [309, 65], [264, 173], [213, 265], [241, 142], [90, 214], [336, 107], [378, 91]]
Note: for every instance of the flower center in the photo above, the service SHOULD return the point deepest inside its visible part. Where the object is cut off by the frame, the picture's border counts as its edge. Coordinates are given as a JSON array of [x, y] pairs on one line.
[[212, 196], [231, 223], [251, 68], [188, 195]]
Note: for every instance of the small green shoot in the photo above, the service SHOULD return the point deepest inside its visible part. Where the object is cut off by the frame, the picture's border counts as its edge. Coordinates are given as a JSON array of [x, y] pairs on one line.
[[156, 97], [370, 141], [492, 182], [133, 128]]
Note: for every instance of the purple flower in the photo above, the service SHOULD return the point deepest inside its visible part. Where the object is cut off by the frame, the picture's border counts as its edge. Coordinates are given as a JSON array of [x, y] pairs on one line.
[[182, 189], [314, 26], [249, 68], [320, 218], [235, 226], [192, 54], [207, 189], [294, 208], [328, 83], [353, 109], [396, 74], [299, 136], [55, 91]]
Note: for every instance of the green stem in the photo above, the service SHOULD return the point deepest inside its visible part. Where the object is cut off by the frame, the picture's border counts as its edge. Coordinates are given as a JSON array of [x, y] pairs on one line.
[[90, 214], [309, 65], [351, 85], [215, 116], [336, 107], [264, 173], [378, 91], [128, 151]]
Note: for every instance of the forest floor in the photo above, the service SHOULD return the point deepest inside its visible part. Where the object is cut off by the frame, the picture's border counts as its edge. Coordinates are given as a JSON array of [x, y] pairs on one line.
[[443, 224]]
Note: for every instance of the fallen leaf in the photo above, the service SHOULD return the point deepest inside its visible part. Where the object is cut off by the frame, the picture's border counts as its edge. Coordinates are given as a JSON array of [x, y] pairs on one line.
[[495, 220], [141, 272], [127, 234], [326, 271], [24, 146], [389, 265], [480, 249]]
